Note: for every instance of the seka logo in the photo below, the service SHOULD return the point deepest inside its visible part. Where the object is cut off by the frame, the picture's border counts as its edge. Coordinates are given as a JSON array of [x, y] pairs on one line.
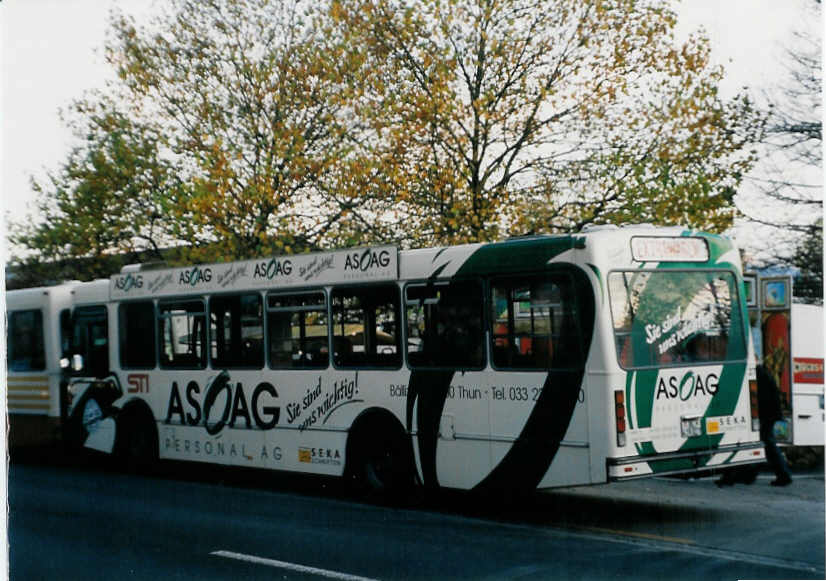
[[367, 260]]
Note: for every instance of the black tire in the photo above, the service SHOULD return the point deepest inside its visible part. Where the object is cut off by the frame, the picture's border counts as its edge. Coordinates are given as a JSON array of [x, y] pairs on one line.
[[137, 442], [380, 462]]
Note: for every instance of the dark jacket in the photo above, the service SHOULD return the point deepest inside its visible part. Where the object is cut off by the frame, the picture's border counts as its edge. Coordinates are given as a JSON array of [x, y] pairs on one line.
[[768, 397]]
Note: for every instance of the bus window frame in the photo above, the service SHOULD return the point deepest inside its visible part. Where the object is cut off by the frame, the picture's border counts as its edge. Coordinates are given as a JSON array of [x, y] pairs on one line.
[[202, 298], [39, 317], [677, 364], [122, 338], [400, 339], [65, 325], [435, 283], [208, 314], [491, 282], [96, 313], [267, 310]]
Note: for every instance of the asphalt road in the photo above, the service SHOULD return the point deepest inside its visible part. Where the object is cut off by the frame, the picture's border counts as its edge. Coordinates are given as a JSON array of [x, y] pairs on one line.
[[70, 521]]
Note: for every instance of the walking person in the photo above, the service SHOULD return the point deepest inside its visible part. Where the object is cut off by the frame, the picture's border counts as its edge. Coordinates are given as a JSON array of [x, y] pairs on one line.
[[768, 407]]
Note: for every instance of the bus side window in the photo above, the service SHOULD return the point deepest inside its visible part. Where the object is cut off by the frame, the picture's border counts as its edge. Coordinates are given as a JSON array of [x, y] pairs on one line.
[[297, 329], [137, 335], [533, 322], [366, 327], [236, 331], [182, 334], [444, 325], [26, 348]]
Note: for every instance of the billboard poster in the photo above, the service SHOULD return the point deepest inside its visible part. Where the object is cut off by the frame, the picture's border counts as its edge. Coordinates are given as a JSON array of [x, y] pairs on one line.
[[775, 302]]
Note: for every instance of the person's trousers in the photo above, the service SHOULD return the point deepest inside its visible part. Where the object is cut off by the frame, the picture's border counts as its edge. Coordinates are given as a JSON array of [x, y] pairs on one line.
[[773, 455]]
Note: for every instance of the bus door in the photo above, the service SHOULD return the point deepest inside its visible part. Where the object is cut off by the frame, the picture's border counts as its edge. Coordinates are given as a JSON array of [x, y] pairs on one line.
[[538, 357], [449, 404], [90, 339], [86, 396]]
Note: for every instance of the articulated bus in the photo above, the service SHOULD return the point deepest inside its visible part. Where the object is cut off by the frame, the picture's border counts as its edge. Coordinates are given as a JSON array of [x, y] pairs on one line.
[[535, 362]]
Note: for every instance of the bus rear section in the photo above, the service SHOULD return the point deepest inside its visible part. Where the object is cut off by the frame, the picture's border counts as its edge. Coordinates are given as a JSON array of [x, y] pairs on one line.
[[685, 399], [36, 338]]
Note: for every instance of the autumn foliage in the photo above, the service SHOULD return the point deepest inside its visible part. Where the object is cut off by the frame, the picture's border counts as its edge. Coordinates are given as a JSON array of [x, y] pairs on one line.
[[241, 128]]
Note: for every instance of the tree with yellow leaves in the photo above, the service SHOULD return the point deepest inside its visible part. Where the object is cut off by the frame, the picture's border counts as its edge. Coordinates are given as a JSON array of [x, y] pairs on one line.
[[241, 128], [253, 102], [510, 116]]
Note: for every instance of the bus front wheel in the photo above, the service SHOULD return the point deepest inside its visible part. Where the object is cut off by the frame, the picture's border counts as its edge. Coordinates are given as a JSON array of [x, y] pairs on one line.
[[137, 441]]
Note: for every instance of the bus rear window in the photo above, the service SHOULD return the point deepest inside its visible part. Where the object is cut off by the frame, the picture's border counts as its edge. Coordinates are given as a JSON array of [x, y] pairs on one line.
[[26, 348], [670, 317]]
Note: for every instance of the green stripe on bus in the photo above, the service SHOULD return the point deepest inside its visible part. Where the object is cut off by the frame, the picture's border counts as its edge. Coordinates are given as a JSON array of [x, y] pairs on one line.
[[530, 254]]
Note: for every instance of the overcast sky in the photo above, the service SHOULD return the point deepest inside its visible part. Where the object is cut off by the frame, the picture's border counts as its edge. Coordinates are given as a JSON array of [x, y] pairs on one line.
[[51, 52]]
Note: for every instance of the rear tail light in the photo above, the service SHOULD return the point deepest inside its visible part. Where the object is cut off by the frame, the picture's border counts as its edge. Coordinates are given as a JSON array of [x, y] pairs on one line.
[[619, 415], [755, 421]]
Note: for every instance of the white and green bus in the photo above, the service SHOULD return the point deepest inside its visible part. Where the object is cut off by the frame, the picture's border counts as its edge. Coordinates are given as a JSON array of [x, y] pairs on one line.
[[536, 362]]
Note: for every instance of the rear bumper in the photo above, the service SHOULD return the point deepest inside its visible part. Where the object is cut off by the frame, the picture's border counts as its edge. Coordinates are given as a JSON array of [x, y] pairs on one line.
[[695, 462]]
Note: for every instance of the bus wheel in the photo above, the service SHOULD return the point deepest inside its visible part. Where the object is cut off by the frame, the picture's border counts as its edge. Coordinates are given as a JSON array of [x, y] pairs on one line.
[[137, 442], [380, 464]]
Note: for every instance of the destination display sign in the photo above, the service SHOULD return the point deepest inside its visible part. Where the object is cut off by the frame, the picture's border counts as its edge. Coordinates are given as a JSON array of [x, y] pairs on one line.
[[319, 268], [668, 249]]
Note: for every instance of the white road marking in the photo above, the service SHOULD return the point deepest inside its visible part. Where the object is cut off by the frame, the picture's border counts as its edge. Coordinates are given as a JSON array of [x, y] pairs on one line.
[[290, 566]]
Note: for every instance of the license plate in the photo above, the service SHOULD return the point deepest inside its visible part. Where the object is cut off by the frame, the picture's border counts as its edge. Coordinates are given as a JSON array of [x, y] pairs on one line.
[[691, 426]]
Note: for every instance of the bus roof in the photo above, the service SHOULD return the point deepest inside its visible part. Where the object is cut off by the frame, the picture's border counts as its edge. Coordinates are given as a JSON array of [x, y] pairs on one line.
[[387, 263], [37, 297]]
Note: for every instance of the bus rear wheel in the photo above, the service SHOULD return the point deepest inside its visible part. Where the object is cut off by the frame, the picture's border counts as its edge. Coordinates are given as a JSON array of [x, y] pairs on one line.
[[379, 463]]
